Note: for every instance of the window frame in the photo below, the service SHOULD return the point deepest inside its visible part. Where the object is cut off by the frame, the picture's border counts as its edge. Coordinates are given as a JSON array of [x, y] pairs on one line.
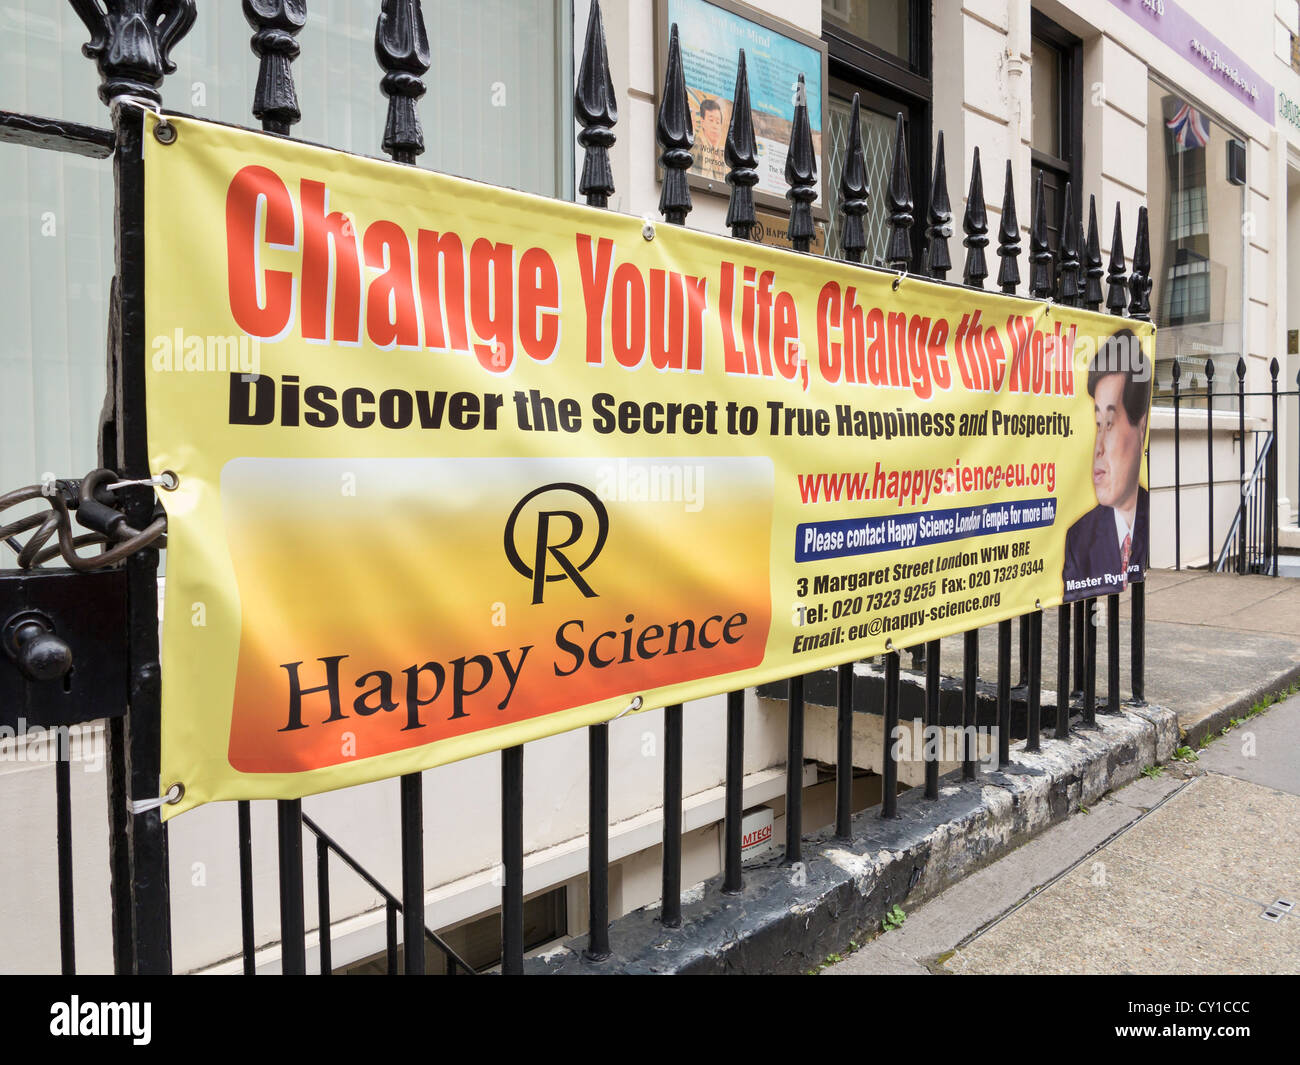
[[859, 66], [1069, 51]]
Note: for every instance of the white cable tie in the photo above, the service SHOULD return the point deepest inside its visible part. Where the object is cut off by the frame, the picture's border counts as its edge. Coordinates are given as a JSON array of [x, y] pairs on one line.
[[635, 704], [146, 106], [171, 796], [164, 480]]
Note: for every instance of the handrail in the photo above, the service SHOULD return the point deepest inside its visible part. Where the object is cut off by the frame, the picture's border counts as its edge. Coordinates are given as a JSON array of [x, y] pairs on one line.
[[1247, 493], [389, 898]]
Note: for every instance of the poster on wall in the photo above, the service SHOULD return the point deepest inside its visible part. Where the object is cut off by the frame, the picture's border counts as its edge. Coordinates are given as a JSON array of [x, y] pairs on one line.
[[712, 33]]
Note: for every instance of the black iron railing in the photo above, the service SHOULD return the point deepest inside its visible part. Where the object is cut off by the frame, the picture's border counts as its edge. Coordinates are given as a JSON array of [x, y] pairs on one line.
[[326, 845], [131, 52], [1252, 541]]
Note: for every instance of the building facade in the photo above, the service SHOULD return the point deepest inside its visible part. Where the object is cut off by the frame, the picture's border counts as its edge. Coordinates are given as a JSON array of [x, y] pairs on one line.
[[1188, 107]]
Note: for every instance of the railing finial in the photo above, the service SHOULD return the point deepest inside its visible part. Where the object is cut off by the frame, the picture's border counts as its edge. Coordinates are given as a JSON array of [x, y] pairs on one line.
[[131, 42], [898, 250], [402, 48], [276, 23], [676, 136], [1068, 290], [801, 173], [1092, 260], [855, 196], [1009, 238], [1139, 282], [1040, 254], [1116, 272], [1080, 274], [597, 110], [741, 152], [975, 224], [939, 216]]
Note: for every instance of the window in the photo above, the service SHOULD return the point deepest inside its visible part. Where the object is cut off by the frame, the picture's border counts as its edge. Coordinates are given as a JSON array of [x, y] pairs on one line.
[[498, 108], [1197, 245], [1056, 122], [1188, 216], [877, 125], [478, 941], [879, 49], [886, 24]]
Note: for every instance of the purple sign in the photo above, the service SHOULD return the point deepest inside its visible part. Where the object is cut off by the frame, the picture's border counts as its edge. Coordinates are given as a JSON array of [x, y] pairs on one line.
[[1194, 42]]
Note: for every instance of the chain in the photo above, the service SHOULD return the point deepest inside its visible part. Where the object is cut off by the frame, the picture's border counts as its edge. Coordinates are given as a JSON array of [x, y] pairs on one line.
[[94, 499]]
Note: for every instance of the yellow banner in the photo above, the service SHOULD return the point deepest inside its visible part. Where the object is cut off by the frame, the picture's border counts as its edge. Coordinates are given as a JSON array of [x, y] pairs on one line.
[[460, 467]]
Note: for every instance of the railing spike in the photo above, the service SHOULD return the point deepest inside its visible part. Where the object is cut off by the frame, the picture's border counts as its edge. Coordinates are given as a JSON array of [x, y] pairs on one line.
[[1009, 238], [596, 109], [1273, 367], [277, 23], [939, 216], [402, 48], [1139, 282], [676, 136], [975, 224], [855, 196], [801, 173], [1092, 260], [898, 250], [132, 51], [1080, 270], [1116, 272], [1040, 255], [741, 152], [1068, 288]]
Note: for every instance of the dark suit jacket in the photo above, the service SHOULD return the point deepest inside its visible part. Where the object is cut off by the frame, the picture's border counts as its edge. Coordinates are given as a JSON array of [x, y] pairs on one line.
[[1092, 551]]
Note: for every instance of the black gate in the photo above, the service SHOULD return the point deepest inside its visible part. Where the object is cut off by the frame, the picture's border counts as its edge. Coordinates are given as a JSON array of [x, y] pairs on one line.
[[82, 642]]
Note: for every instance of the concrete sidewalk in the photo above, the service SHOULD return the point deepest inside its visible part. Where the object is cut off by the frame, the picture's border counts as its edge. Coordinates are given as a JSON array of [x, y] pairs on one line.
[[1181, 873], [1215, 644]]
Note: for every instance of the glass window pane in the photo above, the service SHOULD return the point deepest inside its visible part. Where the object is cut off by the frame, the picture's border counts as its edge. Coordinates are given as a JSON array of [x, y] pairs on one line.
[[877, 153], [492, 107], [42, 70], [1045, 98], [1196, 244], [884, 23], [57, 214], [495, 110]]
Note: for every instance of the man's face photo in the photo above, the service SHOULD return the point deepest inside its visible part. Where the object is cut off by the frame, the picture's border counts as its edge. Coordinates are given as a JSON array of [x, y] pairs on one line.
[[711, 121], [1117, 454]]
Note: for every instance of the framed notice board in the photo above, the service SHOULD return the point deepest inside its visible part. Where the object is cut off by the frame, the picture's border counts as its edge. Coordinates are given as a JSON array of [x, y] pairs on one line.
[[711, 34]]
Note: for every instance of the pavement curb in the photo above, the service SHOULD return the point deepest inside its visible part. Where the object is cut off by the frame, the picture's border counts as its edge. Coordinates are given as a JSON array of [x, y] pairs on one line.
[[789, 918], [1219, 717]]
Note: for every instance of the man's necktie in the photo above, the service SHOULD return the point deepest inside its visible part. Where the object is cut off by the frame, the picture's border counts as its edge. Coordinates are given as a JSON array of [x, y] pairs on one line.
[[1124, 552]]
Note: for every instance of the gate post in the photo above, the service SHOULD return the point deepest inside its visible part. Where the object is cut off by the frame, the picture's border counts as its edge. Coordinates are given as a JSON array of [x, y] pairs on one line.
[[130, 42]]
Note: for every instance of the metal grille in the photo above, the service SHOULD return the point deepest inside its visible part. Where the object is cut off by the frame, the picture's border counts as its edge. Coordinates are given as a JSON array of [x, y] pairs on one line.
[[877, 144]]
